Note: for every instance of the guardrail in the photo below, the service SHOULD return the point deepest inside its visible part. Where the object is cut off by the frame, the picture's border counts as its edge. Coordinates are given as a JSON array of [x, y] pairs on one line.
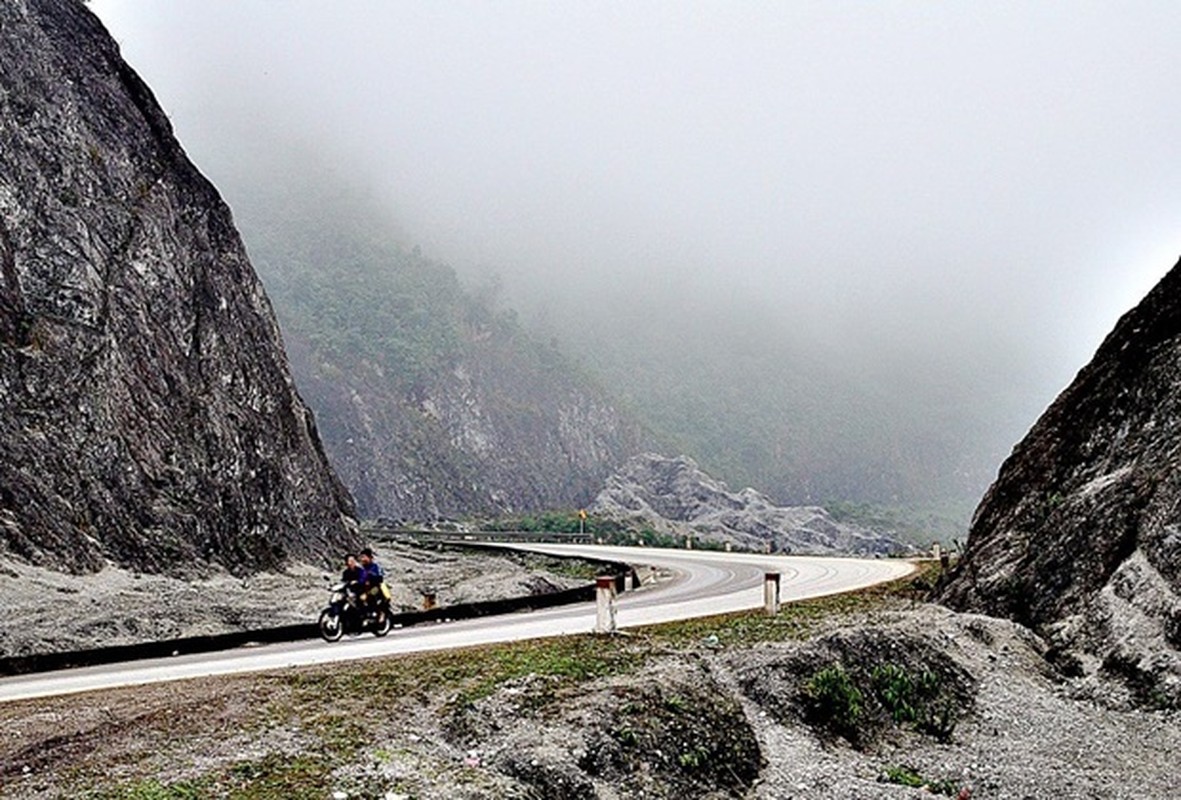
[[396, 534], [46, 662]]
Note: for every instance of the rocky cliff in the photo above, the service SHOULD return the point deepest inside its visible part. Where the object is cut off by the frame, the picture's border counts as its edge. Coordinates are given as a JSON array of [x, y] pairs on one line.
[[147, 415], [673, 496], [1080, 535], [492, 432]]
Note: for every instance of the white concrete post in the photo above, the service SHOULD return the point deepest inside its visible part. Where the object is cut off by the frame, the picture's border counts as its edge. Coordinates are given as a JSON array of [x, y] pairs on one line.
[[605, 599], [688, 542], [771, 593], [935, 548], [728, 547]]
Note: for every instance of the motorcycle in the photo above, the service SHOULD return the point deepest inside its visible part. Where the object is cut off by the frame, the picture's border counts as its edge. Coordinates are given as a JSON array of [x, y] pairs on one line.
[[345, 614]]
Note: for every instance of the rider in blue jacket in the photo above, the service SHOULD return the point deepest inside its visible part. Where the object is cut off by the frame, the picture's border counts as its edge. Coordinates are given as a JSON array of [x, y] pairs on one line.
[[372, 578]]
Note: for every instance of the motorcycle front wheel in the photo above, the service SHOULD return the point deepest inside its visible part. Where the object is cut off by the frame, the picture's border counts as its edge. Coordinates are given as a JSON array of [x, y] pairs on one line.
[[331, 626]]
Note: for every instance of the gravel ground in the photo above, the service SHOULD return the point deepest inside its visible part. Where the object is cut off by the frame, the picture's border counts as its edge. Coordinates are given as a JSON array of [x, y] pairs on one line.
[[50, 611]]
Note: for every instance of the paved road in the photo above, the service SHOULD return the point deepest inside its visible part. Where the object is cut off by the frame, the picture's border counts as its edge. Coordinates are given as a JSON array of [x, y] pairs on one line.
[[700, 583]]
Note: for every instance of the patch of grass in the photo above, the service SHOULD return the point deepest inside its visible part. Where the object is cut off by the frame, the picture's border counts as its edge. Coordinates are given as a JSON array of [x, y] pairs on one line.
[[150, 790], [859, 702], [468, 675], [796, 620], [905, 776], [273, 777], [904, 696], [565, 567]]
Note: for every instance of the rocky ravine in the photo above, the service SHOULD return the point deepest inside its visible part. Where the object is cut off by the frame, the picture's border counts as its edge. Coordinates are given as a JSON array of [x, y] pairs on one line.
[[1080, 535], [674, 496], [147, 415]]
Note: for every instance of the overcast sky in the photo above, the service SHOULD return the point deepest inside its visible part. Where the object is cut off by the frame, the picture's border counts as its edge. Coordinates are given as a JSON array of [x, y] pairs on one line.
[[940, 178]]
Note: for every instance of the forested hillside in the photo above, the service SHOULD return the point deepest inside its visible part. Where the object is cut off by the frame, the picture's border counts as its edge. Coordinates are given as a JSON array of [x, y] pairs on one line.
[[431, 401]]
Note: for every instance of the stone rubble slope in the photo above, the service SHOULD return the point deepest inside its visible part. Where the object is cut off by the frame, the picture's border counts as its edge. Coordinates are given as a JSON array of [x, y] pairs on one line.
[[675, 497]]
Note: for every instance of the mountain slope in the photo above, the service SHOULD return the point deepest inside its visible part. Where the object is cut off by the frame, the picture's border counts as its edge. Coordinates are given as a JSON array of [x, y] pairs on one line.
[[146, 410], [432, 402], [1080, 535], [758, 404]]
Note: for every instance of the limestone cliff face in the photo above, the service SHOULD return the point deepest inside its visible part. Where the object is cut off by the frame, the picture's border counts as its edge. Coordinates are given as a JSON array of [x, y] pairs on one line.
[[491, 432], [674, 496], [1080, 535], [146, 410]]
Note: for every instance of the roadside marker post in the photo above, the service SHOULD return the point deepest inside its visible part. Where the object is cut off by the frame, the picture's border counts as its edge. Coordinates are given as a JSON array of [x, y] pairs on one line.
[[605, 600], [771, 593]]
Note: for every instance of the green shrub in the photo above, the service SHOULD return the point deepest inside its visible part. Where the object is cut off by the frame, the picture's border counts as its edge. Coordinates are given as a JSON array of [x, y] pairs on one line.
[[835, 702]]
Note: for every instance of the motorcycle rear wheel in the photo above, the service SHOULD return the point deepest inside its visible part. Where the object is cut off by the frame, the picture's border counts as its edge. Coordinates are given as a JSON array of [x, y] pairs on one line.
[[383, 627], [331, 626]]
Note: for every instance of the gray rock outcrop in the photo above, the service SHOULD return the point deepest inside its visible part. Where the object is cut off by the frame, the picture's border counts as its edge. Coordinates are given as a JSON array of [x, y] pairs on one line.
[[1080, 535], [147, 415], [675, 497]]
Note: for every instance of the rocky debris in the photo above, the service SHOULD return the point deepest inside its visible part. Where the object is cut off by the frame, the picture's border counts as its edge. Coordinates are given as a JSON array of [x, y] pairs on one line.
[[675, 497], [672, 733], [1080, 535], [1022, 734], [147, 415], [116, 606], [861, 684]]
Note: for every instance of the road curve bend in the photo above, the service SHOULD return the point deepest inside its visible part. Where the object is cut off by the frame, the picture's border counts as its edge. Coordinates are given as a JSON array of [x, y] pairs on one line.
[[701, 583]]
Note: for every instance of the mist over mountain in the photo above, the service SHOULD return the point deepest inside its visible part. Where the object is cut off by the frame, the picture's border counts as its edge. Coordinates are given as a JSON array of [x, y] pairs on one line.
[[771, 407], [435, 398], [433, 401], [886, 239]]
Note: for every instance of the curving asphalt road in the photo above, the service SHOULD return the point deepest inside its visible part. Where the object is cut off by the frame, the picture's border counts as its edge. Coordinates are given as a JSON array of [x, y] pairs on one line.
[[701, 583]]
